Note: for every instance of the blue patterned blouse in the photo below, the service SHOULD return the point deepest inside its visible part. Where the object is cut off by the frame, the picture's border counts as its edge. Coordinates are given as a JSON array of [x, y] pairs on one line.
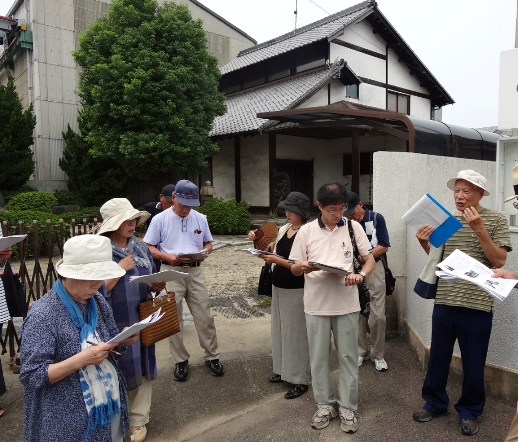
[[57, 412]]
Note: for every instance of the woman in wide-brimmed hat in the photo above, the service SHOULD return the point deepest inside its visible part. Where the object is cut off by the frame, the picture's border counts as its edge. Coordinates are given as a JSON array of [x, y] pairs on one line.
[[138, 365], [73, 389], [290, 348]]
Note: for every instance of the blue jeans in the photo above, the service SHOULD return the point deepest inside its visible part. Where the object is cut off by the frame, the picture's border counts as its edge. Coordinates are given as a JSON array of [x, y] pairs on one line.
[[472, 328]]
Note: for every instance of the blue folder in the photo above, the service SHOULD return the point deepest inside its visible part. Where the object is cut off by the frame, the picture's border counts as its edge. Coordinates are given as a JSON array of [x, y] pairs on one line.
[[446, 230]]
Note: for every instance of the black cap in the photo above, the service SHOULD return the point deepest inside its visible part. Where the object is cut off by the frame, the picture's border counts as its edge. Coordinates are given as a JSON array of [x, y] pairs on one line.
[[352, 201], [167, 192], [298, 203]]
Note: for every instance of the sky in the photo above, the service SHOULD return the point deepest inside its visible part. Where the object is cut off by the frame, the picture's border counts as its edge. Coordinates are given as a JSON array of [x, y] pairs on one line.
[[458, 40]]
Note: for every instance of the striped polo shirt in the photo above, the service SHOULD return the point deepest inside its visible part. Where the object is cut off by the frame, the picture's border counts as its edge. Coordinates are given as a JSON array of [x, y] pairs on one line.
[[464, 293]]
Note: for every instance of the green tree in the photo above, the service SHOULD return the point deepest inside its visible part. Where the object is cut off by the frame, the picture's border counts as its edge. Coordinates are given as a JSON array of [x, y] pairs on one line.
[[149, 89], [16, 128]]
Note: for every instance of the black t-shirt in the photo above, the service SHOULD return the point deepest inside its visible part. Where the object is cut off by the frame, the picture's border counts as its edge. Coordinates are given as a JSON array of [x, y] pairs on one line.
[[281, 276]]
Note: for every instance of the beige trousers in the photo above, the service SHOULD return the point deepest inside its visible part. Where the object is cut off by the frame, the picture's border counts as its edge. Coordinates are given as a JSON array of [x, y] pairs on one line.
[[140, 403], [377, 320], [196, 296]]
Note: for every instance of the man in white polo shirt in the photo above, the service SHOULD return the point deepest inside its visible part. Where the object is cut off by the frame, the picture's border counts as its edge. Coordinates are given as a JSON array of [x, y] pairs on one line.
[[331, 303], [182, 230]]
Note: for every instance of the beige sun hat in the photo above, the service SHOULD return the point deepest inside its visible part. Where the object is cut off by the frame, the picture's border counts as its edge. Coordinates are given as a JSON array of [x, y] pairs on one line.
[[118, 210], [88, 258], [471, 176]]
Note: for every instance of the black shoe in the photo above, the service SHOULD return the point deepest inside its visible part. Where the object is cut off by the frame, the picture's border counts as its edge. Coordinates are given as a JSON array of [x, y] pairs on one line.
[[296, 391], [276, 378], [215, 367], [181, 371], [468, 427]]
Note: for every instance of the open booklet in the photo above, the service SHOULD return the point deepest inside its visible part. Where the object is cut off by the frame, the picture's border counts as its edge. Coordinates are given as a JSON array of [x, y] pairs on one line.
[[258, 252], [164, 276], [329, 268], [197, 256], [459, 265], [9, 241], [135, 328]]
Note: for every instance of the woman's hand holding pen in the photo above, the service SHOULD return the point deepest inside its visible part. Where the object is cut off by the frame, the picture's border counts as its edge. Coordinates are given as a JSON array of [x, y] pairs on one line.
[[98, 352]]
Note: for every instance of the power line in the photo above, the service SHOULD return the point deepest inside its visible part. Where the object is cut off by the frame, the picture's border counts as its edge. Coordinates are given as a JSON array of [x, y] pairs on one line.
[[320, 7]]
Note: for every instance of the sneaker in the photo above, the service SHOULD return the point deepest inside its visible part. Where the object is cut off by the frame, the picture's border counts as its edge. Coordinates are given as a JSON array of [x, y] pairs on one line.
[[139, 433], [323, 415], [348, 420], [361, 359], [215, 367], [380, 364], [468, 427], [181, 371], [425, 416]]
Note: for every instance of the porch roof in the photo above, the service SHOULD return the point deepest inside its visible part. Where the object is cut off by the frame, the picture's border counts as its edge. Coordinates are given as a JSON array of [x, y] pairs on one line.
[[243, 107]]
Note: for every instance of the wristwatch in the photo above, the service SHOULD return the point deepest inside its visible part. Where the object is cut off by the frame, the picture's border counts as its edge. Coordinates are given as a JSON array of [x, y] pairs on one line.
[[363, 274]]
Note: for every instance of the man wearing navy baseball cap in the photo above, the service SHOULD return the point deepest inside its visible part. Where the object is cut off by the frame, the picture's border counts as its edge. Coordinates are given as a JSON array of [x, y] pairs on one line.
[[186, 231]]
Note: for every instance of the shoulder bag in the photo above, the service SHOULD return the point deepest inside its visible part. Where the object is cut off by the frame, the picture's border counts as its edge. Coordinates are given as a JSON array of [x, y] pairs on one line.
[[390, 281], [363, 290], [165, 327]]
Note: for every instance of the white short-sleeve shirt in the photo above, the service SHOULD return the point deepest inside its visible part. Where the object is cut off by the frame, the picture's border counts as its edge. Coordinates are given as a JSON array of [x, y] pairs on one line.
[[325, 294], [171, 233]]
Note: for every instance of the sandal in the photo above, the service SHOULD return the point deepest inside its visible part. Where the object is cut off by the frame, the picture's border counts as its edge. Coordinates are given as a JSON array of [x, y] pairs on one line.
[[296, 391]]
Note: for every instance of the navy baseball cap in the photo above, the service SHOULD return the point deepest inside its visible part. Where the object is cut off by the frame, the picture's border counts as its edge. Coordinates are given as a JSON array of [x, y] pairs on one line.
[[352, 201], [167, 192], [186, 193]]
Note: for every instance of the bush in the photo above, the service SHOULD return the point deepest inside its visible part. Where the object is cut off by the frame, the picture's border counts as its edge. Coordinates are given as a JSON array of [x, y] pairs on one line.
[[226, 217], [67, 197], [9, 194], [27, 216], [88, 212], [33, 201]]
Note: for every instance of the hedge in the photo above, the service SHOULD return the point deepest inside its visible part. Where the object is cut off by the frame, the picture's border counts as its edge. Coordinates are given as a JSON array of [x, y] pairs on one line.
[[226, 217]]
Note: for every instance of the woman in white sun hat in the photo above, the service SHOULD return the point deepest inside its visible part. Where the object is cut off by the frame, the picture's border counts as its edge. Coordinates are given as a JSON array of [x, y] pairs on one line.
[[73, 389], [138, 365]]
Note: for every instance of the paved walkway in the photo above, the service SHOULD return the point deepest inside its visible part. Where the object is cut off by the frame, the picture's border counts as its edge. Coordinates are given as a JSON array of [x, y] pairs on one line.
[[243, 406]]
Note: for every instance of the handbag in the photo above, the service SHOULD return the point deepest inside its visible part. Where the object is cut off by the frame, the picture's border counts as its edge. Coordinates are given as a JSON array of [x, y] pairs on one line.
[[390, 281], [14, 293], [165, 327], [265, 281], [363, 290], [426, 284]]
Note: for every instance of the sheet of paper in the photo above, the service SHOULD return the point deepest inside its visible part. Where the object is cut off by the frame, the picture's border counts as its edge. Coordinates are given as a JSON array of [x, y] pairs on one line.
[[198, 256], [255, 251], [463, 266], [9, 241], [329, 268], [166, 275], [135, 328], [425, 211]]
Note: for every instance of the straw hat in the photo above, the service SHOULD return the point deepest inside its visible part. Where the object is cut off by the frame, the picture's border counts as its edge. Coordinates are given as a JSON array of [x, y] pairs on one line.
[[471, 176], [265, 235], [88, 258], [118, 210]]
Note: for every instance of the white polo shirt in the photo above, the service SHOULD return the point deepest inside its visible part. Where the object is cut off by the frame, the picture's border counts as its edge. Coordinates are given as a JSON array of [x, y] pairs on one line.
[[325, 294], [171, 233]]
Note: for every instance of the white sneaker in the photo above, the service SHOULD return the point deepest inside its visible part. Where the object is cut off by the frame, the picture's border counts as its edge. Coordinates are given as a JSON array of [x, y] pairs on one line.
[[361, 359], [349, 420], [380, 364], [323, 415]]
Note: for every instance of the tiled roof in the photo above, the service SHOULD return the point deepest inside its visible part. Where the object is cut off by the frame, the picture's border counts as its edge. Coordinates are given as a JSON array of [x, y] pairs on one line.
[[322, 29], [242, 108]]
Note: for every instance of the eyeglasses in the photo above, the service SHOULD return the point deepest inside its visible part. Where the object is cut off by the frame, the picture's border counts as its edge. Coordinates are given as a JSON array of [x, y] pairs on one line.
[[335, 211]]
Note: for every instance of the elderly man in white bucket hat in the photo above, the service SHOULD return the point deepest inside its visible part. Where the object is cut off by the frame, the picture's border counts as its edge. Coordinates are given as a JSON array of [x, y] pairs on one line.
[[73, 387], [463, 311]]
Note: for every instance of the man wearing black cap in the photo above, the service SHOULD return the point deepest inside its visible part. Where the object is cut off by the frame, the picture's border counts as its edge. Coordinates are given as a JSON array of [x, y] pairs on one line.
[[154, 208], [376, 229]]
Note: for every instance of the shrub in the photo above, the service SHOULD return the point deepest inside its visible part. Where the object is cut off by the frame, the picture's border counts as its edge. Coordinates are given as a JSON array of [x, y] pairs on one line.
[[9, 194], [226, 217], [33, 201], [88, 212], [67, 197], [27, 216]]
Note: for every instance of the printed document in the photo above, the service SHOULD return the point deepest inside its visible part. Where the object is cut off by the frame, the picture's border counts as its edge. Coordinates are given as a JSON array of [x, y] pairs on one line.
[[198, 256], [135, 328], [9, 241], [166, 275], [329, 268], [459, 265]]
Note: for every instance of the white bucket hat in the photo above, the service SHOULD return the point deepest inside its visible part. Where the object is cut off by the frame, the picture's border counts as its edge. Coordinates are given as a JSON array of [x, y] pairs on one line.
[[471, 176], [118, 210], [89, 258]]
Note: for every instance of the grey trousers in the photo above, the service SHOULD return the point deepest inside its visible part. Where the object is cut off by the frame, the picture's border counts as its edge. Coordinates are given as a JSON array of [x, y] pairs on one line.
[[345, 334], [196, 296], [290, 349], [377, 319]]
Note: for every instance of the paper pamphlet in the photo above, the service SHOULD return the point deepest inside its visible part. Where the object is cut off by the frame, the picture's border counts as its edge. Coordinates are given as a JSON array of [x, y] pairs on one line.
[[256, 252], [9, 241], [329, 268], [429, 211], [135, 328], [198, 256], [459, 265], [166, 275]]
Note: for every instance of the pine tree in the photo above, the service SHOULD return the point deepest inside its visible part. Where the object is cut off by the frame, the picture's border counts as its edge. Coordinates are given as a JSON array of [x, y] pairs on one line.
[[16, 128]]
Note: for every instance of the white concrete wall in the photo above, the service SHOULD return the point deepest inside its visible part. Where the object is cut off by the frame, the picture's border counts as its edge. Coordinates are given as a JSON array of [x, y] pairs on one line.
[[420, 107], [401, 179], [507, 94]]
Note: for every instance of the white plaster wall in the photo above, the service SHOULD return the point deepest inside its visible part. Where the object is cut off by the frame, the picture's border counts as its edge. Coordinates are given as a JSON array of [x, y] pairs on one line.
[[399, 74], [400, 179], [223, 170], [419, 107], [363, 65], [373, 96], [320, 98], [254, 170], [360, 34]]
